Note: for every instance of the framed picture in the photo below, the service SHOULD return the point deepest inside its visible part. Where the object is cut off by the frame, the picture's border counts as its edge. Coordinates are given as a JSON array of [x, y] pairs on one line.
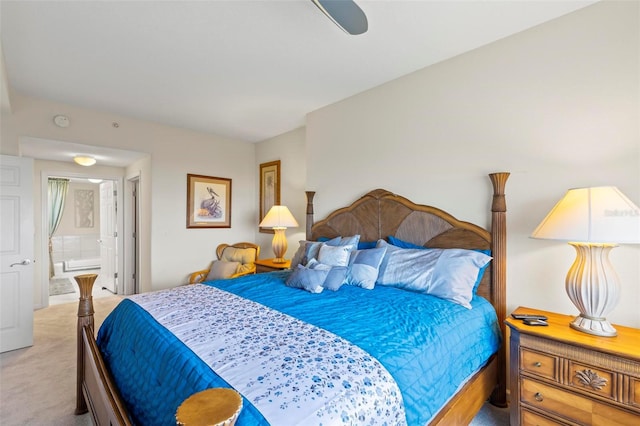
[[208, 202], [269, 189], [84, 209]]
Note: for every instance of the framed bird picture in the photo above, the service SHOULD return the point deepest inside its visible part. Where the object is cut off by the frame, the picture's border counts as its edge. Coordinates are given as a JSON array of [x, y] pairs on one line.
[[208, 202]]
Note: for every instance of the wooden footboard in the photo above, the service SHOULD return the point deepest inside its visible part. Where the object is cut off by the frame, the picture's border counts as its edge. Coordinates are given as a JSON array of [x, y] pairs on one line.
[[95, 391], [98, 390]]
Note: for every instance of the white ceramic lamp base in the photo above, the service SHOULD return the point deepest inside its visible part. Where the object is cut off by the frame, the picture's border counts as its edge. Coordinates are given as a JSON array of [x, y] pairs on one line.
[[593, 286]]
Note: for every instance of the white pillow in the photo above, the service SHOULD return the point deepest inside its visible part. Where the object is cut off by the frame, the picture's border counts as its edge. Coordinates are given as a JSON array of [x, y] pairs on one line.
[[335, 255]]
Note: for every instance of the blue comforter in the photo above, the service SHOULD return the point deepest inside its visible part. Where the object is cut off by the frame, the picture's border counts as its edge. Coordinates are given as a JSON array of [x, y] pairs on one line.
[[429, 345]]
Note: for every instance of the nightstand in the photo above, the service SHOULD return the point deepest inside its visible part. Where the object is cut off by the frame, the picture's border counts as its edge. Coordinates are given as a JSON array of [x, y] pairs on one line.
[[562, 376], [267, 265]]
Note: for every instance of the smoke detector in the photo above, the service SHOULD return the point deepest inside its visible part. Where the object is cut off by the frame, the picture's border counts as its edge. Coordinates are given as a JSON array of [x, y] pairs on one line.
[[61, 120]]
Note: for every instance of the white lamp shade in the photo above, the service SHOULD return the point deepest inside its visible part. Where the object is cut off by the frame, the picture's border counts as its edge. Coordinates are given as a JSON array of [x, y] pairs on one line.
[[592, 215], [279, 217]]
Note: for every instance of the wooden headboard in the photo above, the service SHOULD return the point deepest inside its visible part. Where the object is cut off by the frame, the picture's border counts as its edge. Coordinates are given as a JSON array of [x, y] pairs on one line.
[[381, 213]]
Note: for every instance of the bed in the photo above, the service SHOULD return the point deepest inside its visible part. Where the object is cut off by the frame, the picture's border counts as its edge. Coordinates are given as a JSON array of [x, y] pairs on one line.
[[333, 358]]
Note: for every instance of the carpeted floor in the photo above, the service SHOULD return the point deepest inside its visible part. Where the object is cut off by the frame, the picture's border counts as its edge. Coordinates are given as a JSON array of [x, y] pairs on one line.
[[38, 384]]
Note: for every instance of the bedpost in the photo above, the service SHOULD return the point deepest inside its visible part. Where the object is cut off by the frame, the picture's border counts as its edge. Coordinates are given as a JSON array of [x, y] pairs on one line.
[[499, 278], [310, 195], [85, 318]]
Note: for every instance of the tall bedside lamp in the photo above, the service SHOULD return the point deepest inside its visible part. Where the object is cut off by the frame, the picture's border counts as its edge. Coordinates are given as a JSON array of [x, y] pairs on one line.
[[279, 218], [592, 220]]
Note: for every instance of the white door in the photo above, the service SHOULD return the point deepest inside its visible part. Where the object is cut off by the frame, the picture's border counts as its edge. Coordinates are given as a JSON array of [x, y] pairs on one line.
[[108, 235], [16, 252]]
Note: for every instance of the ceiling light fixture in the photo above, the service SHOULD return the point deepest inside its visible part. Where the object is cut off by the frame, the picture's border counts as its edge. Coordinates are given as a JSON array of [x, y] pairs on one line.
[[95, 180], [84, 160]]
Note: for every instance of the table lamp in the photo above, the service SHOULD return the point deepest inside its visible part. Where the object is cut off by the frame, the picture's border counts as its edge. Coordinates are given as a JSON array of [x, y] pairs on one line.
[[592, 220], [279, 218]]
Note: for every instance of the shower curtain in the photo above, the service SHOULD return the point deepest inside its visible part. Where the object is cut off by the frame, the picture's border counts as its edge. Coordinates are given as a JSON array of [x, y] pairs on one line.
[[57, 194]]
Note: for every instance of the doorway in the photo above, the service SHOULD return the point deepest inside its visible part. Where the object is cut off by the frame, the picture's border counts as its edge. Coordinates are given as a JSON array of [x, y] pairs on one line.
[[84, 241]]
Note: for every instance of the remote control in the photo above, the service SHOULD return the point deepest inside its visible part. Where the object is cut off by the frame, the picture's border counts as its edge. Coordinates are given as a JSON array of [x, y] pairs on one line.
[[530, 321], [529, 316]]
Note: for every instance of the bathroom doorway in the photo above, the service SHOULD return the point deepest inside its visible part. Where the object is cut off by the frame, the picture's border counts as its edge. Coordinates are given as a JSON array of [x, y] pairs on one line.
[[86, 238]]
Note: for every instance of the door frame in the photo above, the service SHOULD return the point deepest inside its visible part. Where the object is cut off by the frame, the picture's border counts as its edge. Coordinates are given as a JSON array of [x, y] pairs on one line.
[[44, 265], [132, 247]]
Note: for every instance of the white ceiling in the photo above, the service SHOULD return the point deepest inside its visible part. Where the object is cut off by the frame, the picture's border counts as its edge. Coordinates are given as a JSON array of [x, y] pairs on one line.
[[247, 70]]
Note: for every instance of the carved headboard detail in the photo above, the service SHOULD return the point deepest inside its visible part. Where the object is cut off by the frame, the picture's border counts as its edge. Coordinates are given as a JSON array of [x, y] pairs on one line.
[[381, 213]]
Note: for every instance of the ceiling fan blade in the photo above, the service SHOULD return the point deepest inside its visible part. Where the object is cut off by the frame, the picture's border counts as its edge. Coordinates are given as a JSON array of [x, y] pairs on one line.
[[344, 13]]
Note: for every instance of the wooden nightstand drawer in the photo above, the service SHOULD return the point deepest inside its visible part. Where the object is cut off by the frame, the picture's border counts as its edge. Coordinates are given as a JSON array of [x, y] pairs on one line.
[[634, 398], [529, 418], [573, 407], [590, 379], [572, 378], [538, 363]]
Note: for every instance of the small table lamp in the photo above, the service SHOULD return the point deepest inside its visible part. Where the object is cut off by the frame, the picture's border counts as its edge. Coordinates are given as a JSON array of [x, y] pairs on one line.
[[593, 221], [279, 218]]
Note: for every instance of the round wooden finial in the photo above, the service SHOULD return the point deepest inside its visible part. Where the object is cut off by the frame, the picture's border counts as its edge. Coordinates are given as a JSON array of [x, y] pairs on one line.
[[211, 407]]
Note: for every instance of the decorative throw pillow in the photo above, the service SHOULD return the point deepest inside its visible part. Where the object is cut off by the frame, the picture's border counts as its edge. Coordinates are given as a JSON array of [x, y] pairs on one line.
[[241, 255], [335, 256], [450, 274], [363, 267], [336, 275], [353, 240], [299, 254], [307, 279], [221, 269]]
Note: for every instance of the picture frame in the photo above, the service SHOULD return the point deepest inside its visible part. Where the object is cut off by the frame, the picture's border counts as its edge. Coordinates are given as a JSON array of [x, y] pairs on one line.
[[208, 202], [84, 208], [269, 190]]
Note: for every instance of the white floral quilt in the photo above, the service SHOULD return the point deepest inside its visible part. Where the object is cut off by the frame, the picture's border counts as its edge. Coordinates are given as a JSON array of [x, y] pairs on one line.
[[293, 372]]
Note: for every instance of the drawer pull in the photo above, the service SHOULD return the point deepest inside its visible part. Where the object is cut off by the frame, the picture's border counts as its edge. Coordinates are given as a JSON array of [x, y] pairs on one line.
[[591, 379], [538, 396], [537, 364]]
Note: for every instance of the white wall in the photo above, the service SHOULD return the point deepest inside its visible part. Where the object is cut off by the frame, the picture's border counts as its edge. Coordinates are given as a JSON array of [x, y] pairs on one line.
[[557, 106], [290, 149], [170, 250]]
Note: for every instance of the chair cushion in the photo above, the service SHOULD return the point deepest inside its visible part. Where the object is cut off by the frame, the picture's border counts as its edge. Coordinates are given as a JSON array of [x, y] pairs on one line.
[[221, 269], [240, 255]]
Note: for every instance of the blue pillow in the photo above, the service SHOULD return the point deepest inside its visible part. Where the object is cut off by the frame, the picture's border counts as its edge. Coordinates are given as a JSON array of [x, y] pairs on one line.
[[308, 250], [450, 274], [403, 244], [307, 279], [317, 276], [481, 271], [363, 267], [363, 245], [336, 275]]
